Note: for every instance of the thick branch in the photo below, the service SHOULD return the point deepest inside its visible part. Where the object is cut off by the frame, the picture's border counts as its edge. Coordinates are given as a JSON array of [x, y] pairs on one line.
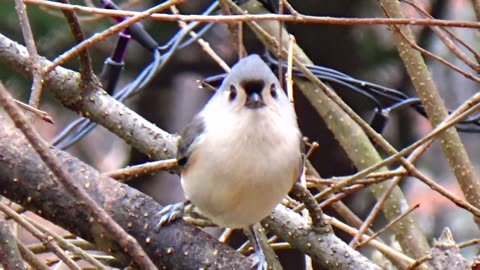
[[29, 182], [93, 103]]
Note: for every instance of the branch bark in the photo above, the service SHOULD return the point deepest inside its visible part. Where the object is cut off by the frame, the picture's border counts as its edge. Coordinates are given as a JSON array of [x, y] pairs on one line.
[[28, 182]]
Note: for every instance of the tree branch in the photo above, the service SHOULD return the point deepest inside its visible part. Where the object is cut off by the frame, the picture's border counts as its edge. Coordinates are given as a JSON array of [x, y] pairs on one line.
[[177, 246]]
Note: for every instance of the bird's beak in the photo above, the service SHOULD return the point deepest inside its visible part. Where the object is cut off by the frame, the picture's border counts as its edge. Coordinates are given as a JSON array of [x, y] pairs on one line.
[[254, 101]]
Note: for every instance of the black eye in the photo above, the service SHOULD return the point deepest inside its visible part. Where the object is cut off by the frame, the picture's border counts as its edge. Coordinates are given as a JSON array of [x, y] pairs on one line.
[[273, 91], [233, 93]]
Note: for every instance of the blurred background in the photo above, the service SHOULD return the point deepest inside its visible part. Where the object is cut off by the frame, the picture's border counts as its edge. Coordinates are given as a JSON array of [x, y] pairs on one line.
[[365, 52]]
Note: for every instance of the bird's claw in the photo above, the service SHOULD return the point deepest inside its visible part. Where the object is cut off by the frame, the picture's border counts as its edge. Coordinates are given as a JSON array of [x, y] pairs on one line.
[[259, 261], [170, 213]]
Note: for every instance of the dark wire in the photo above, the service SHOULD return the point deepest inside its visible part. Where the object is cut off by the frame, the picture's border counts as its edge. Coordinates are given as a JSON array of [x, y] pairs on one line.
[[82, 126]]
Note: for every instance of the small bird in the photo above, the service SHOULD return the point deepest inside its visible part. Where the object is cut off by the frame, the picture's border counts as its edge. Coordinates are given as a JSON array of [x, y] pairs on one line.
[[242, 153]]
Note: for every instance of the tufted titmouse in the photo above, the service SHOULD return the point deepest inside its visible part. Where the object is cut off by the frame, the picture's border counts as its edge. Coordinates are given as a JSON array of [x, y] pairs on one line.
[[241, 154]]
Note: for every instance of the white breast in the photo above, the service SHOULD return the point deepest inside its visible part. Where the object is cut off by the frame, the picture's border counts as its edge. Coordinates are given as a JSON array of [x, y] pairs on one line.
[[240, 170]]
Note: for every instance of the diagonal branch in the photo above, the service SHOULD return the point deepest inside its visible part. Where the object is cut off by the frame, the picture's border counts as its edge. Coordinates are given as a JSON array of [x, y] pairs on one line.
[[451, 144]]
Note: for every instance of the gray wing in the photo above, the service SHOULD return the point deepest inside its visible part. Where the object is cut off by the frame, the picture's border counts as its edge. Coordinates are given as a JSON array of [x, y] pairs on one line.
[[188, 136]]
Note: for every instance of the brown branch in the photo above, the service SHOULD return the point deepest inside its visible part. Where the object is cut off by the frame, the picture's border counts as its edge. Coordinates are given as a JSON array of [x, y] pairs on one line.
[[24, 180], [128, 243], [437, 58], [318, 245], [381, 201], [295, 18], [75, 250], [400, 258], [39, 113], [37, 71], [143, 169], [86, 72]]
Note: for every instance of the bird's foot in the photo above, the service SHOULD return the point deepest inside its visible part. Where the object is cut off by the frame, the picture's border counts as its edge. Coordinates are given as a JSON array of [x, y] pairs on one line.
[[170, 213], [259, 257], [259, 261]]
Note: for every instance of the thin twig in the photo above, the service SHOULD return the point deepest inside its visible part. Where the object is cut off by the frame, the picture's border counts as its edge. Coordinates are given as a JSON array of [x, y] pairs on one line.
[[414, 45], [45, 239], [106, 33], [142, 169], [37, 72], [312, 148], [86, 71], [385, 249], [380, 201], [68, 246], [298, 18], [289, 70], [390, 224], [281, 25], [290, 8], [472, 105], [447, 41], [205, 45], [225, 235], [31, 259], [42, 114]]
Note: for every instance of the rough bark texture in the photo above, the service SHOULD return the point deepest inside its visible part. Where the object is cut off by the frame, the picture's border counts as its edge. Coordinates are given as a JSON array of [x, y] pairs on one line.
[[27, 181]]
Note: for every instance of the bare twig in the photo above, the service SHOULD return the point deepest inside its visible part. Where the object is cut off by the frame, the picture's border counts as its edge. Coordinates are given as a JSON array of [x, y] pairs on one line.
[[37, 72], [400, 217], [289, 77], [205, 45], [69, 246], [42, 114], [448, 42], [142, 169], [45, 239], [86, 72], [381, 201], [385, 249], [108, 32], [297, 18], [467, 75]]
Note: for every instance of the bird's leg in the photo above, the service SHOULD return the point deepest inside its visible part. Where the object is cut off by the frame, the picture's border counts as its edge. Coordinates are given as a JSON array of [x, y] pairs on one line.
[[259, 257], [170, 213]]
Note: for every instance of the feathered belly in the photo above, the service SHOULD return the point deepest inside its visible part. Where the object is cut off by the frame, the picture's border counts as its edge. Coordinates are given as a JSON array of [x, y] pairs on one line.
[[239, 190]]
